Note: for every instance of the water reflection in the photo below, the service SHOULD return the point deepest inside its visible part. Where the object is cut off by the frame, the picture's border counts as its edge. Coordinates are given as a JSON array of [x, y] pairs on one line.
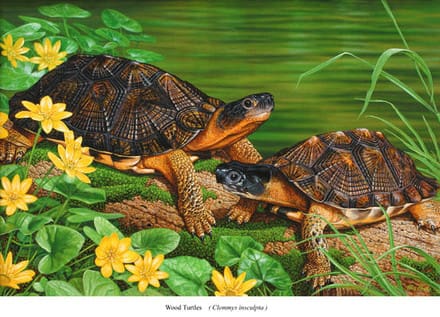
[[232, 48]]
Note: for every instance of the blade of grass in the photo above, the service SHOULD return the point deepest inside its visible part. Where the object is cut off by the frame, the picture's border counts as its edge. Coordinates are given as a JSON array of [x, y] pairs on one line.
[[433, 138]]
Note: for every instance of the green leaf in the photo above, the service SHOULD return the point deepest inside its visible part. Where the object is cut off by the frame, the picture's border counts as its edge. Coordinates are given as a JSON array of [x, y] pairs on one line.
[[11, 169], [61, 243], [6, 227], [67, 45], [45, 25], [141, 38], [117, 20], [263, 268], [113, 36], [157, 240], [17, 79], [80, 215], [27, 223], [143, 55], [92, 234], [188, 275], [97, 285], [4, 103], [63, 10], [29, 31], [5, 26], [43, 203], [40, 285], [229, 249], [73, 188], [60, 288], [86, 42], [106, 228]]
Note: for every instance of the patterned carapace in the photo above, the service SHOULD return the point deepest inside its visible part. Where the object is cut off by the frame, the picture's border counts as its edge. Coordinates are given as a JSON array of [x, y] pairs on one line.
[[121, 106], [354, 169]]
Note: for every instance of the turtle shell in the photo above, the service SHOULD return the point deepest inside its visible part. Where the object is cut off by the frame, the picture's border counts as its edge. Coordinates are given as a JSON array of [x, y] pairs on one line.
[[121, 106], [354, 169]]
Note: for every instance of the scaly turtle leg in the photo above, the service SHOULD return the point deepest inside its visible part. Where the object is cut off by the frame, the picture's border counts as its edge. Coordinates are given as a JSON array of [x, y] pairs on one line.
[[243, 151], [312, 228], [14, 146], [178, 169], [427, 214]]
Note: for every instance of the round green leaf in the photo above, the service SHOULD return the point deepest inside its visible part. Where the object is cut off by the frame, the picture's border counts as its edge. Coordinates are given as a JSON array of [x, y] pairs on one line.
[[45, 25], [80, 215], [22, 80], [157, 240], [97, 285], [73, 188], [61, 243], [117, 20], [28, 224], [106, 228], [60, 288], [143, 55], [230, 248], [188, 275], [264, 268], [92, 234], [63, 10], [30, 32], [113, 36]]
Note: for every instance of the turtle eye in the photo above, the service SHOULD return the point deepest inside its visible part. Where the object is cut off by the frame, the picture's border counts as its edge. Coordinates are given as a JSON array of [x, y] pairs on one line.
[[247, 103], [233, 177]]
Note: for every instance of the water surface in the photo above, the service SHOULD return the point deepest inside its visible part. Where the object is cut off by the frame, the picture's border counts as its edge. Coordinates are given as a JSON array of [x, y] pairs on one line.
[[233, 48]]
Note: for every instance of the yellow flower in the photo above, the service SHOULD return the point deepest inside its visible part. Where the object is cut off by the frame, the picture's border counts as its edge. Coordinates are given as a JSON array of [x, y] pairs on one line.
[[69, 140], [72, 160], [3, 132], [112, 253], [227, 285], [14, 194], [50, 57], [145, 271], [12, 274], [13, 51], [48, 113]]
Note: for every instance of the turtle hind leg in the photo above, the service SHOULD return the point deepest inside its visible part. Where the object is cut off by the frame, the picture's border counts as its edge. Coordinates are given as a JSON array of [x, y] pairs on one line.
[[427, 214], [178, 169], [14, 146], [317, 266]]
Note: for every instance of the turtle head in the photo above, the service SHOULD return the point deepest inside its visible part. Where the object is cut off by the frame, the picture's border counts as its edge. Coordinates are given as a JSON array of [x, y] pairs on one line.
[[262, 182], [233, 122], [246, 113], [247, 180]]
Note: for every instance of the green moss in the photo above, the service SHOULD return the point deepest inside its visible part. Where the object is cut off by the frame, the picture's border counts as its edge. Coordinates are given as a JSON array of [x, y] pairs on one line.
[[107, 176], [293, 264], [341, 257], [206, 165], [40, 152], [426, 268]]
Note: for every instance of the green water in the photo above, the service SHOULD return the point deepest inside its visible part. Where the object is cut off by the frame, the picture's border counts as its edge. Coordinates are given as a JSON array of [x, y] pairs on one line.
[[233, 48]]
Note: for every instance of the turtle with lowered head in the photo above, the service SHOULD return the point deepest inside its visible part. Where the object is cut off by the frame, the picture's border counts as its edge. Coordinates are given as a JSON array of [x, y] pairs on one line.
[[345, 178], [137, 117]]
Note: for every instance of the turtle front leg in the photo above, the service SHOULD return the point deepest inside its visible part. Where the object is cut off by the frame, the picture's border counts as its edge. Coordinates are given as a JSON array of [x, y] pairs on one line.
[[177, 167], [427, 214], [14, 146], [312, 228], [243, 151]]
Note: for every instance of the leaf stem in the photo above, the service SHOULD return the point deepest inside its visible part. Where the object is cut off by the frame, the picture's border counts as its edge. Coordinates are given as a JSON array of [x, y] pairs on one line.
[[37, 136]]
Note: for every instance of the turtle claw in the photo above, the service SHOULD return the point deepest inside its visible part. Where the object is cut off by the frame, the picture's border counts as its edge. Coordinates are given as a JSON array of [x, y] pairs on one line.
[[426, 223]]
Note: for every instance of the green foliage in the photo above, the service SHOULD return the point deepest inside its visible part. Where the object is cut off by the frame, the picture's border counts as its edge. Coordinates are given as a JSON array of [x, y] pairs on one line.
[[61, 244], [229, 249], [188, 275], [157, 240], [116, 37]]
